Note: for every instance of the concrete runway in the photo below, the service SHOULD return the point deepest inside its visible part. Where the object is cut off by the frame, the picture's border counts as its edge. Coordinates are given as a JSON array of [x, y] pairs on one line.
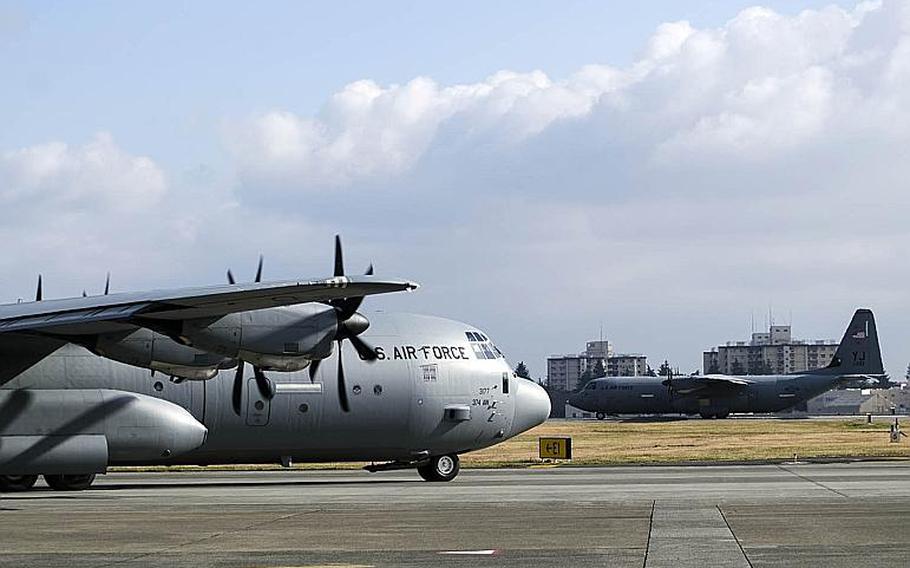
[[706, 516]]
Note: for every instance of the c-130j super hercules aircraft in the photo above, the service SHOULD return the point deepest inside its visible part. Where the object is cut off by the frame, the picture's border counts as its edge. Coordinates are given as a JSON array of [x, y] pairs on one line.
[[858, 357], [246, 384]]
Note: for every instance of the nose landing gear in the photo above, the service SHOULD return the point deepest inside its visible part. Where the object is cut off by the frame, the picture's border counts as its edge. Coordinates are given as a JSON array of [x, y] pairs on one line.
[[440, 468]]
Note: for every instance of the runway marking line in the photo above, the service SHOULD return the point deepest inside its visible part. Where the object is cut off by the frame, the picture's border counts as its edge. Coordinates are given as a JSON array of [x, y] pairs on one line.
[[331, 566], [736, 538], [490, 552]]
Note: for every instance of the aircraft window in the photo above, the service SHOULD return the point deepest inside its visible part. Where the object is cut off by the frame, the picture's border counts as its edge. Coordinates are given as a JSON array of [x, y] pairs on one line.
[[505, 383], [487, 351], [482, 337], [478, 351], [470, 335]]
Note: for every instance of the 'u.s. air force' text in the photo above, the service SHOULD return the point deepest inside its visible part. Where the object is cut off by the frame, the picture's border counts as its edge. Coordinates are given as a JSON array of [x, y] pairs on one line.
[[422, 352]]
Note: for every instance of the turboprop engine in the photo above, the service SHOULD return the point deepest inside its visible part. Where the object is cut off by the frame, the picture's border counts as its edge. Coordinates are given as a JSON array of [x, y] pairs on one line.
[[275, 339], [150, 350]]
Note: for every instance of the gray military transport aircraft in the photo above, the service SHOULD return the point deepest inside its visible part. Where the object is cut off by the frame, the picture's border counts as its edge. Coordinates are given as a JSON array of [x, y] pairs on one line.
[[715, 396], [232, 374]]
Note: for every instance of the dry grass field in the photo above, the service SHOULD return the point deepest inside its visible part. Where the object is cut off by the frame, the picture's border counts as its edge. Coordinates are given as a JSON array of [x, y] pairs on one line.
[[616, 442]]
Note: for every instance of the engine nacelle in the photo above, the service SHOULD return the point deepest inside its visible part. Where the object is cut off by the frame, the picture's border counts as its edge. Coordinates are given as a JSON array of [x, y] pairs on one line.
[[150, 350], [278, 339]]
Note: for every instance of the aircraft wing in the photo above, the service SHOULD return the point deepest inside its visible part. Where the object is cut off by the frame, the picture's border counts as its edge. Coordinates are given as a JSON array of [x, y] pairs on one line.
[[96, 314], [705, 384]]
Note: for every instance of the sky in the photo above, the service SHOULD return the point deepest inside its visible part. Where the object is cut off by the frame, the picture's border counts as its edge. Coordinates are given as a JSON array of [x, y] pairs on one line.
[[666, 171]]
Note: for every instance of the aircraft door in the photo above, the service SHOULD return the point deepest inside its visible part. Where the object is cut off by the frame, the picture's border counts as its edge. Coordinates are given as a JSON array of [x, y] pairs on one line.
[[788, 392], [258, 407]]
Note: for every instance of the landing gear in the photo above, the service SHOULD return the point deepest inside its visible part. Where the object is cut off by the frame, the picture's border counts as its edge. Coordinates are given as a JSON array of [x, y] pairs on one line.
[[722, 415], [70, 482], [10, 483], [600, 415], [440, 468]]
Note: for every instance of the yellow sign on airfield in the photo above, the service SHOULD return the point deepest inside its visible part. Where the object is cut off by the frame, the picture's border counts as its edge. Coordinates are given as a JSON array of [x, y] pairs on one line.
[[556, 448]]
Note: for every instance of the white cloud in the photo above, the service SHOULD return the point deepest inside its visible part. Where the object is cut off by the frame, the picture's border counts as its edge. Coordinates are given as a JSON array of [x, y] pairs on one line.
[[761, 86], [98, 172]]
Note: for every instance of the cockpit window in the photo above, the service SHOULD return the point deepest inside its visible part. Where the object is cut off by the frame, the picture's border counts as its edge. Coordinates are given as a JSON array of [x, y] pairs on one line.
[[482, 347]]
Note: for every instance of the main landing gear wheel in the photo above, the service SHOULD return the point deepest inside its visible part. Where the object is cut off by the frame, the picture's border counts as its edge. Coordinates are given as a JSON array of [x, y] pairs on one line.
[[70, 482], [722, 415], [706, 415], [600, 415], [10, 483], [440, 468]]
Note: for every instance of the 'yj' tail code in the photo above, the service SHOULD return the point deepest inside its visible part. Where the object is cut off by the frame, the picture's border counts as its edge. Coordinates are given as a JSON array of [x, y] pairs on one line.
[[858, 352]]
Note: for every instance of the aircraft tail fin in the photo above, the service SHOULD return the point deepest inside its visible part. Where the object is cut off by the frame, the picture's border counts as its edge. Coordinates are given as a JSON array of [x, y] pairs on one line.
[[859, 352]]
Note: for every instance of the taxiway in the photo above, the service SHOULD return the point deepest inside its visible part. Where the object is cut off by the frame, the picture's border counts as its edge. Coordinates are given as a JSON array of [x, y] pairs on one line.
[[843, 514]]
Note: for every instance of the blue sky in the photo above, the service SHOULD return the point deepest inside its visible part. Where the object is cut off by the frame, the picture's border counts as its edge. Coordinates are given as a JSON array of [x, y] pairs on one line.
[[662, 168]]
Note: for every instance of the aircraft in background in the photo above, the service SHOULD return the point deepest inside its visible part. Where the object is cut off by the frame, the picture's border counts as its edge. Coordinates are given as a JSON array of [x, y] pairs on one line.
[[85, 382], [715, 396]]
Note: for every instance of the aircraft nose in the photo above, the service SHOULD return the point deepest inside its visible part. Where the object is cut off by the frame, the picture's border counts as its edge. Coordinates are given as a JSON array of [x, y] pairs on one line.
[[532, 406], [580, 400]]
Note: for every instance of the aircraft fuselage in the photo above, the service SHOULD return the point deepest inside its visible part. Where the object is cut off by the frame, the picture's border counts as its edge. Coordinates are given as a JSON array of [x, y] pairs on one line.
[[651, 395], [433, 391]]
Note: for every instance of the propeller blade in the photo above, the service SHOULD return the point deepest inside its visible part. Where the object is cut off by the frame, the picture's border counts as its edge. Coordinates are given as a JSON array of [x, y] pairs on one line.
[[339, 261], [347, 307], [314, 366], [230, 276], [366, 351], [266, 387], [237, 394], [342, 389], [259, 271], [39, 294], [107, 284]]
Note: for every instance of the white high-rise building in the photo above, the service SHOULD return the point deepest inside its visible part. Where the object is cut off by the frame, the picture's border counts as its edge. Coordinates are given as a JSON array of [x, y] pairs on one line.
[[772, 352], [565, 371]]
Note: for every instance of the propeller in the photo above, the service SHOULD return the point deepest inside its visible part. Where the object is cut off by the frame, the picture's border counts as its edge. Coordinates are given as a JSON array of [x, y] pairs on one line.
[[265, 386], [257, 279], [669, 383], [107, 286], [350, 325]]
